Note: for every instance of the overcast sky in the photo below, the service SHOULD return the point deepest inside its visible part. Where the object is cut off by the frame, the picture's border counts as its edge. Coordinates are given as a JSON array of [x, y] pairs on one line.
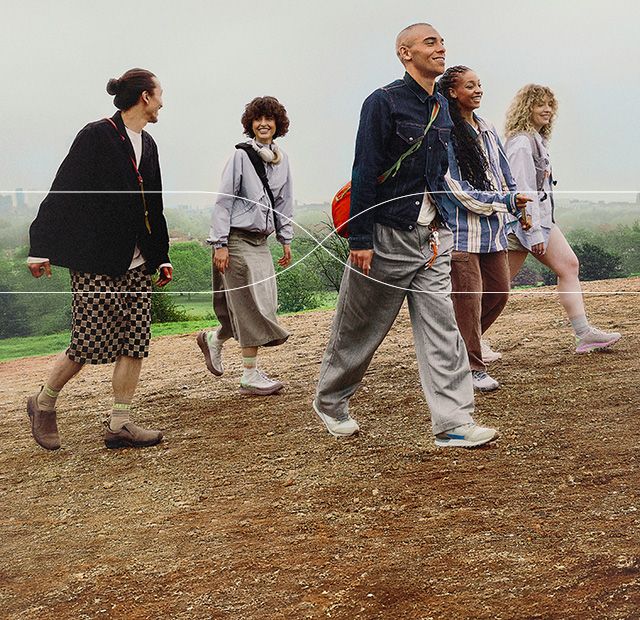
[[321, 59]]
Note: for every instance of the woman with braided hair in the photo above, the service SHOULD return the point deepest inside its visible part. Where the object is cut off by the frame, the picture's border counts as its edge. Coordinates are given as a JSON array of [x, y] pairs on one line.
[[528, 128], [482, 193]]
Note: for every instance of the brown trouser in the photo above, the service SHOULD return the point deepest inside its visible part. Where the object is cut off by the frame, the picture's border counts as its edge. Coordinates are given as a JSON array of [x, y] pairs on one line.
[[480, 284]]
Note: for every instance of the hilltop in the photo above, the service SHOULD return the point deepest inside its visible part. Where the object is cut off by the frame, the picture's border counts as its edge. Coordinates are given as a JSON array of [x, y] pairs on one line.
[[249, 509]]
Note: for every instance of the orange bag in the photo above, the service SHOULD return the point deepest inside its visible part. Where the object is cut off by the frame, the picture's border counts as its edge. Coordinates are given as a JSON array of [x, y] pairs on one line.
[[341, 210], [341, 203]]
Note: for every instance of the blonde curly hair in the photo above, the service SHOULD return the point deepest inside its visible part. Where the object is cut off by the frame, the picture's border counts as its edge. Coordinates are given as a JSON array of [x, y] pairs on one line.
[[519, 112]]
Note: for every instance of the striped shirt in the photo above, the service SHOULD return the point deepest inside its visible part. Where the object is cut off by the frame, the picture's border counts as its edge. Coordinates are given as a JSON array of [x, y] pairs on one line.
[[477, 218]]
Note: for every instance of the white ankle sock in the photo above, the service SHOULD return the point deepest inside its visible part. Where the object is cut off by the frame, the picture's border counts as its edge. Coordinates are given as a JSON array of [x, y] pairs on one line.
[[249, 367], [119, 416], [47, 398], [213, 340], [580, 325]]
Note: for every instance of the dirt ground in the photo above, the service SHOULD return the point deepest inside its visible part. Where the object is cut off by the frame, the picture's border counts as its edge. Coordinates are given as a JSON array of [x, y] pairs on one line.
[[249, 509]]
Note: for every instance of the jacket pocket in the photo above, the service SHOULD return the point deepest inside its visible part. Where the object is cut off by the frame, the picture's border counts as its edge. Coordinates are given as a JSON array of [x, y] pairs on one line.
[[408, 132], [459, 257], [444, 135]]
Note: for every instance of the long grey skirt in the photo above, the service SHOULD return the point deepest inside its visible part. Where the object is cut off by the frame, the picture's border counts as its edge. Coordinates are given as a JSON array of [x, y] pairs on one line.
[[245, 297]]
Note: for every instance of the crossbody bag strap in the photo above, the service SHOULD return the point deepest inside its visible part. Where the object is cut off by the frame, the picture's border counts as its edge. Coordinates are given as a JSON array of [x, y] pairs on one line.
[[138, 176], [260, 169], [414, 147]]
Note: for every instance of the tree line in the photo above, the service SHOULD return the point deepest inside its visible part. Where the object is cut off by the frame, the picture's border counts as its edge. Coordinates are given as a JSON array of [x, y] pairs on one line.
[[31, 307]]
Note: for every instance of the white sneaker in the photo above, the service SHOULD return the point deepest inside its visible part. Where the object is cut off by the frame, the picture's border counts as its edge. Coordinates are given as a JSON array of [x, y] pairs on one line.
[[488, 354], [483, 381], [337, 428], [256, 383], [212, 353], [466, 436], [596, 340]]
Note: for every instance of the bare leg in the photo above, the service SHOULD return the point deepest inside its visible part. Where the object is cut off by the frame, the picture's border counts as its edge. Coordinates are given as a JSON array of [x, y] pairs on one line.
[[516, 260], [249, 351], [561, 259], [125, 378], [63, 370]]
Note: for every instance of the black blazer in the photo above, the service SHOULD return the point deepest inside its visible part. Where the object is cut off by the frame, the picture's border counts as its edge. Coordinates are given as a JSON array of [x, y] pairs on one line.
[[96, 232]]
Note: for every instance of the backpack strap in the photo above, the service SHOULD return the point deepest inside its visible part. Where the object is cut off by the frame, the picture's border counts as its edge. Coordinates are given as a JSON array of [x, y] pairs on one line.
[[538, 155], [258, 164]]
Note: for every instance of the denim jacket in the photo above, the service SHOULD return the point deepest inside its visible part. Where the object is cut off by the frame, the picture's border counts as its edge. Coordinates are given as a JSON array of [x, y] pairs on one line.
[[392, 119]]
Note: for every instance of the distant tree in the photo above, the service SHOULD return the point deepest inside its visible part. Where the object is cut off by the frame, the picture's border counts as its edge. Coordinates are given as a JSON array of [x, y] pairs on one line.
[[526, 277], [296, 290], [12, 321], [165, 310], [192, 267], [329, 262], [596, 263]]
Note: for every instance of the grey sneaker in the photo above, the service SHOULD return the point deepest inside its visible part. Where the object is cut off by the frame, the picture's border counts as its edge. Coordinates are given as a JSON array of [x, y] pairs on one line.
[[337, 428], [483, 381], [488, 354], [212, 354], [44, 427], [131, 436], [466, 436], [258, 384], [596, 340]]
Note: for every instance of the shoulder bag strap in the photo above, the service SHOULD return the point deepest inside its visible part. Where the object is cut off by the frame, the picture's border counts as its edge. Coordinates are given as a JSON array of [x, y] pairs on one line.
[[258, 164]]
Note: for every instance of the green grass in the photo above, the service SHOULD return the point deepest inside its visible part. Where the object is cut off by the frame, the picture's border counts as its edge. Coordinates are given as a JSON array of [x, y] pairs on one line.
[[198, 307], [30, 346]]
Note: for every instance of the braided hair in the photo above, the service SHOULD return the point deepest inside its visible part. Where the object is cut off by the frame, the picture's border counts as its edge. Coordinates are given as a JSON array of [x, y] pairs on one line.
[[471, 159]]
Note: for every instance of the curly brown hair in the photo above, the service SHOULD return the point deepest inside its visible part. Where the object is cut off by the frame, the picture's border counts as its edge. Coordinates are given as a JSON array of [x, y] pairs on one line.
[[519, 112], [269, 107]]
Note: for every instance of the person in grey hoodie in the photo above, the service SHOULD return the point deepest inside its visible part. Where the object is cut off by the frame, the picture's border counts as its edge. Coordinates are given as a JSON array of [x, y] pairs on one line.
[[255, 200]]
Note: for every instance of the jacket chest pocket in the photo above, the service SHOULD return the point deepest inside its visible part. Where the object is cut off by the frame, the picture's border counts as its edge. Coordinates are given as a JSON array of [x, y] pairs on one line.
[[444, 135], [409, 133]]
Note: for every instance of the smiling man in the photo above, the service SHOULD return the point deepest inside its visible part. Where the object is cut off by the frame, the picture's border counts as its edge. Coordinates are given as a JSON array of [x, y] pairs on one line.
[[400, 248], [103, 220]]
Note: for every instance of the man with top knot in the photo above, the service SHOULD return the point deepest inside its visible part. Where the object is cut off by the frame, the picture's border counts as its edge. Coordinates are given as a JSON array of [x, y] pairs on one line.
[[103, 220]]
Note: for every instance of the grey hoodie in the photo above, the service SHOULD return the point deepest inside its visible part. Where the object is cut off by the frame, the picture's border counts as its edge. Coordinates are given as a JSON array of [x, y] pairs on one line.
[[244, 204]]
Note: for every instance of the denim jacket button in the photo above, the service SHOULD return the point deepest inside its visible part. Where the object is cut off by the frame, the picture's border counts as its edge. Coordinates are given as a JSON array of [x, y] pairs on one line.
[[410, 227], [410, 139], [417, 203]]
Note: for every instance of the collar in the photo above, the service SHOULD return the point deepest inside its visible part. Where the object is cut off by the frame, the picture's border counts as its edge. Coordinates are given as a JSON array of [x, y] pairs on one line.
[[122, 128], [482, 124], [117, 119], [416, 89]]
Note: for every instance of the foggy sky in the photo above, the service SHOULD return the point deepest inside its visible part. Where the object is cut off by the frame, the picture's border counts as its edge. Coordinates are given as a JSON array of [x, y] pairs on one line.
[[321, 60]]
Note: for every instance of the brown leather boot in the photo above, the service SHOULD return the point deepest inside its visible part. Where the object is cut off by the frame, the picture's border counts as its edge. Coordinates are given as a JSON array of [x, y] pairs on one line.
[[130, 436], [43, 425]]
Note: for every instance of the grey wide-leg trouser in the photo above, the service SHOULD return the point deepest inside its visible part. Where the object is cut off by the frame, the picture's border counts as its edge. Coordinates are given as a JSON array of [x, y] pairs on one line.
[[367, 308]]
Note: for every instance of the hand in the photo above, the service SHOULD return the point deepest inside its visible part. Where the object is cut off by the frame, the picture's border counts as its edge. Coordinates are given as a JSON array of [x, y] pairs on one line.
[[522, 200], [221, 259], [286, 256], [362, 259], [166, 275], [521, 203], [537, 249], [37, 269]]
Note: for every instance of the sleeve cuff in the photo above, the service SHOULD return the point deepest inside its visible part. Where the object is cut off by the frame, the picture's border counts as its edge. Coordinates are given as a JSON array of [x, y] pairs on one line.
[[35, 259], [361, 242]]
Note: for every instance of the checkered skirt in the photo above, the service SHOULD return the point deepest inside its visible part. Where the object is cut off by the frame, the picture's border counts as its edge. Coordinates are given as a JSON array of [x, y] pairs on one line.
[[111, 316]]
